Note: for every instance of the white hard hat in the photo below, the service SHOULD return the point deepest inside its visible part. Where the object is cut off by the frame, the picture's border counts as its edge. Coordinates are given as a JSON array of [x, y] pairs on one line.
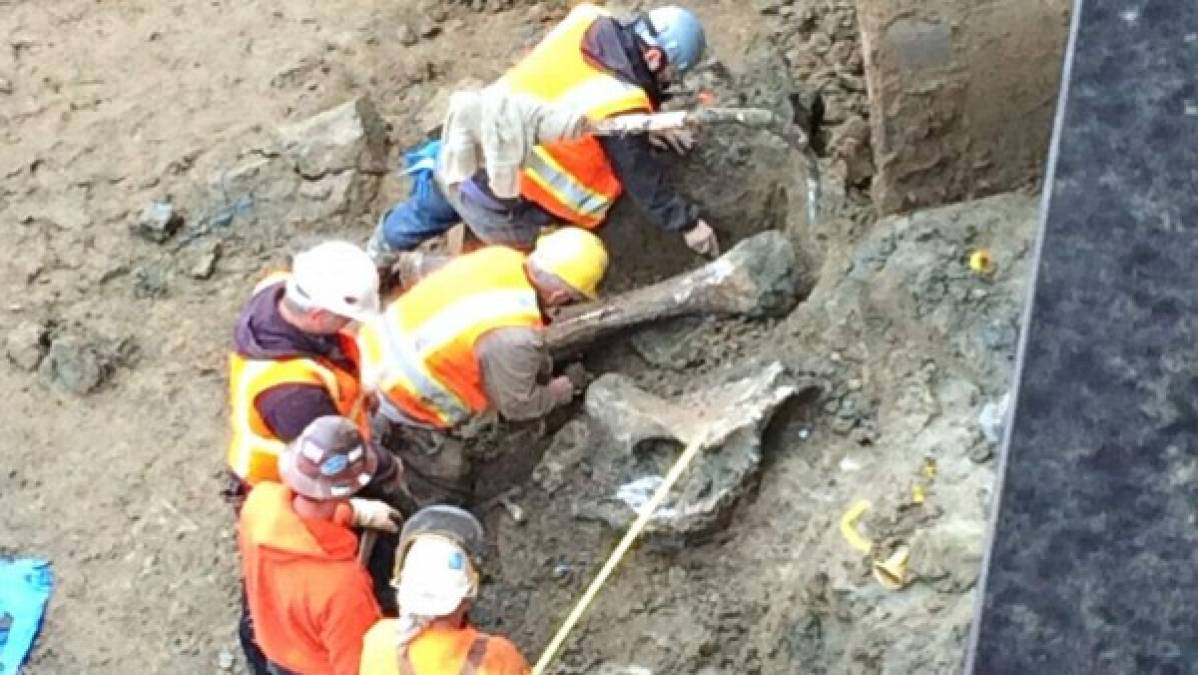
[[437, 575], [338, 277]]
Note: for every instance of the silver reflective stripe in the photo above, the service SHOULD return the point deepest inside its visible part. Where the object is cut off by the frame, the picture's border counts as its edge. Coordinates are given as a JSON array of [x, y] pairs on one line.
[[595, 91], [486, 307], [563, 185], [400, 351]]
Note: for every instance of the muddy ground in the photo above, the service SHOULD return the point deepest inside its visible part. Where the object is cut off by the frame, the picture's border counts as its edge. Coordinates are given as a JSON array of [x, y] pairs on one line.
[[115, 343]]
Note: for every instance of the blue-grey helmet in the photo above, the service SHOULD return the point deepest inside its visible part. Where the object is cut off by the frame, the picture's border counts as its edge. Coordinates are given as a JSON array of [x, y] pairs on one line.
[[677, 32]]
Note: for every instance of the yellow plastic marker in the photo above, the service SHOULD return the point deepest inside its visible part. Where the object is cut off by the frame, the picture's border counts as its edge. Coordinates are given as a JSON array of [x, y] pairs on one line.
[[892, 572], [981, 262], [848, 526], [918, 494]]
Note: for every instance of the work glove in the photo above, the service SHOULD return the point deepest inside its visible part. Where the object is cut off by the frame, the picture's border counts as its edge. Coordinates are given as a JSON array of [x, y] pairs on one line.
[[678, 140], [375, 515], [702, 240]]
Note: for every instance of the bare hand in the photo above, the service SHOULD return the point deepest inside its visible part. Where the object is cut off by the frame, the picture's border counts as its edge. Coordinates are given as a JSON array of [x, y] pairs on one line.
[[678, 140]]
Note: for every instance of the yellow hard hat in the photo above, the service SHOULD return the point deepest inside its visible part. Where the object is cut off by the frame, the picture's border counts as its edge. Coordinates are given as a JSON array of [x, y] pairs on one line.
[[574, 255]]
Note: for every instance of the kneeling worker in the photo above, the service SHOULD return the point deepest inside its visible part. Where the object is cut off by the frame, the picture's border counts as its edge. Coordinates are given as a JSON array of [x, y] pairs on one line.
[[468, 339], [309, 599], [436, 574]]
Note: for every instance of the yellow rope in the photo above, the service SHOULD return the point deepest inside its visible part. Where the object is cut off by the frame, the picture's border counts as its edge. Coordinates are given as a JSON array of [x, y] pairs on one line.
[[630, 536]]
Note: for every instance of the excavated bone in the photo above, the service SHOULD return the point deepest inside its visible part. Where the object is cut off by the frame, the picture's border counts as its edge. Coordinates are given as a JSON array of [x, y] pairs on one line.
[[642, 435], [758, 277]]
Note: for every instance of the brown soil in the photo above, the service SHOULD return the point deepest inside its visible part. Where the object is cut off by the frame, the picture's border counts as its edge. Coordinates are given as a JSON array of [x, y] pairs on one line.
[[105, 107]]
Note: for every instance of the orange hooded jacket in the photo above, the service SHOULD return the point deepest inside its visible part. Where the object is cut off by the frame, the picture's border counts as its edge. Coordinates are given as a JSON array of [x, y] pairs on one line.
[[310, 600]]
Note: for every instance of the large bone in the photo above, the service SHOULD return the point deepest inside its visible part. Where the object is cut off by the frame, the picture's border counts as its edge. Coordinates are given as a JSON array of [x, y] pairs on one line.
[[643, 434], [758, 277]]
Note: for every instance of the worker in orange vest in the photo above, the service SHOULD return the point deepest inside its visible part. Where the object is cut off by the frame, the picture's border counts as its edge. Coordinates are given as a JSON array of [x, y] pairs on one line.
[[605, 66], [294, 359], [466, 340], [437, 578], [309, 600]]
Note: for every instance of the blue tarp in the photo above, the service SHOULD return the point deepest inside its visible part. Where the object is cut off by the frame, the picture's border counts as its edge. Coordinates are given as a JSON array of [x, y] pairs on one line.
[[25, 585]]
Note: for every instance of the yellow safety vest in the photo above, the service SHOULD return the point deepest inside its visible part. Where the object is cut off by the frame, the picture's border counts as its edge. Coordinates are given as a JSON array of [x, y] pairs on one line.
[[254, 449], [419, 353], [573, 179]]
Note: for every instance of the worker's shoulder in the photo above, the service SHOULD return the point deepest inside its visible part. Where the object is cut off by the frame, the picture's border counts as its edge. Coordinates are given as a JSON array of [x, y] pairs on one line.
[[378, 649], [380, 636], [503, 657]]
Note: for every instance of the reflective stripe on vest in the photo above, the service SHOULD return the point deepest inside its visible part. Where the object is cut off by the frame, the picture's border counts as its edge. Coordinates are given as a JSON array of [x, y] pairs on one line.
[[474, 658], [573, 179], [401, 352], [420, 353]]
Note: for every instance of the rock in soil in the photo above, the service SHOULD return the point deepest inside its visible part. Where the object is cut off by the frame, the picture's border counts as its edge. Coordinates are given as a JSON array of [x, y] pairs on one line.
[[351, 136], [26, 344], [205, 263], [75, 365], [159, 221]]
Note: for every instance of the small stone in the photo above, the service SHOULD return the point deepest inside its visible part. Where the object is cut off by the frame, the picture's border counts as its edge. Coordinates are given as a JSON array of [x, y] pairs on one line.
[[150, 281], [225, 659], [158, 222], [205, 263], [993, 417], [819, 43], [74, 365], [26, 345], [5, 86], [981, 454], [406, 35], [430, 30]]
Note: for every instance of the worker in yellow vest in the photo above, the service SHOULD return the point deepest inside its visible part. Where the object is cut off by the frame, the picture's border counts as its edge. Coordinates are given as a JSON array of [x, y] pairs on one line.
[[437, 578], [468, 339], [294, 360], [597, 63]]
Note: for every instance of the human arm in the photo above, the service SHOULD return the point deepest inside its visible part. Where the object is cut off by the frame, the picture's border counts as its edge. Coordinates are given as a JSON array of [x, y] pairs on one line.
[[511, 361], [287, 409], [641, 175]]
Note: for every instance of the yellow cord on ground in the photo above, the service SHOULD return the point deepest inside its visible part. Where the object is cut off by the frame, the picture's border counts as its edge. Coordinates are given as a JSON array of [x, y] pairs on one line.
[[630, 536], [848, 526]]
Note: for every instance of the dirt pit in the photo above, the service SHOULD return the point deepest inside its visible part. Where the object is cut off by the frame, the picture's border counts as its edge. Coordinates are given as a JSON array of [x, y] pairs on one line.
[[115, 342]]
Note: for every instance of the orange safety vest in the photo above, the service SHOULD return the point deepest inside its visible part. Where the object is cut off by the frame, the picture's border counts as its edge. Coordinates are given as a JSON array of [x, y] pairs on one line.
[[573, 179], [254, 449], [419, 353], [439, 651], [471, 660]]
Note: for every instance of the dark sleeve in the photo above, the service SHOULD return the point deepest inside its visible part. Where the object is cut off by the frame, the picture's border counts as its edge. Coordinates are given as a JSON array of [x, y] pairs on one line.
[[288, 408], [632, 159]]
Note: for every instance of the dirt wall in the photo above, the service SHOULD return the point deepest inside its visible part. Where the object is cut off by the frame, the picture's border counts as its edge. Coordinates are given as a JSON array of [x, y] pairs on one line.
[[962, 95]]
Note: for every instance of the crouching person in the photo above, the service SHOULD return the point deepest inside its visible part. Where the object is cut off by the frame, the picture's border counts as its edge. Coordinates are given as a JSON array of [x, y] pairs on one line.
[[468, 340], [436, 575], [309, 600]]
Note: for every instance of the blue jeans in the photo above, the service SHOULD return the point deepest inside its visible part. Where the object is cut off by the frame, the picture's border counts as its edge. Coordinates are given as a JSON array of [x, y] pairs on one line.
[[423, 215]]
